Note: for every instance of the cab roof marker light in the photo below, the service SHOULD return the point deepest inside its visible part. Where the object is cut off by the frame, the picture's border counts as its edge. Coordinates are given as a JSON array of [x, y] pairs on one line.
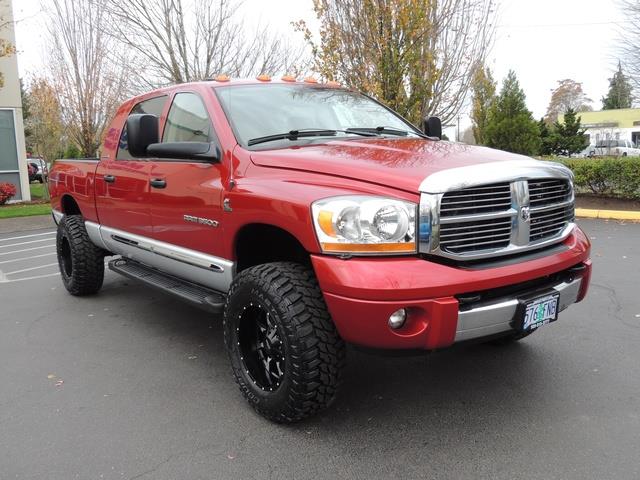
[[288, 78], [264, 78], [221, 78], [310, 80]]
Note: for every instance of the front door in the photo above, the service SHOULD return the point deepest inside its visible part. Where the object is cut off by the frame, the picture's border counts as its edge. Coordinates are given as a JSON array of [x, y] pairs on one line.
[[186, 195]]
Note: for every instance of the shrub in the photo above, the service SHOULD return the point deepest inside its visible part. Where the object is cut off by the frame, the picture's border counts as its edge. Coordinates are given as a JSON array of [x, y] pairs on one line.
[[611, 176], [7, 190]]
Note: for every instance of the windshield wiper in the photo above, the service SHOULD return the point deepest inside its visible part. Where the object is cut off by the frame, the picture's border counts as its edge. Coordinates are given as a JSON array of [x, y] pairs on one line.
[[306, 132], [382, 130]]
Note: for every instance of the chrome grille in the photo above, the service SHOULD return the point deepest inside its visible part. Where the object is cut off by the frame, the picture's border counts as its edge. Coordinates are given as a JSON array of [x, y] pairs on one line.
[[472, 201], [527, 206], [548, 192], [548, 223], [476, 235]]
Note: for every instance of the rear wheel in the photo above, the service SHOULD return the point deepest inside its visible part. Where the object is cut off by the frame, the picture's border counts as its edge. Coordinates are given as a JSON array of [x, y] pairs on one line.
[[81, 262], [285, 352]]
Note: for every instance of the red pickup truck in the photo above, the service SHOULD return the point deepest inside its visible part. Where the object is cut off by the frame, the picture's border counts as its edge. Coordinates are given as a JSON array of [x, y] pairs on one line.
[[311, 216]]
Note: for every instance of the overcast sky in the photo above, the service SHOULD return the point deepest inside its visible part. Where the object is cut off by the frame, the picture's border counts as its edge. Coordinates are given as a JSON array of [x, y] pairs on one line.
[[542, 40]]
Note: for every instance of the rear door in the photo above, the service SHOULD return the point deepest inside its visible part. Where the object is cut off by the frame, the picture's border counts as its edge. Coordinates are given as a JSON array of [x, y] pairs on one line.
[[122, 183], [186, 195]]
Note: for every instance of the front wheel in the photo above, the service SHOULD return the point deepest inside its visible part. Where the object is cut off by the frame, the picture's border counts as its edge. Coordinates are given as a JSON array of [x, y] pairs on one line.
[[285, 352], [81, 262]]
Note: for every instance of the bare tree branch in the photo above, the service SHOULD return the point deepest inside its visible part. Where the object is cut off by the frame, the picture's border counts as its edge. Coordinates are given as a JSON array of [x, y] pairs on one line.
[[186, 40], [629, 40], [87, 69]]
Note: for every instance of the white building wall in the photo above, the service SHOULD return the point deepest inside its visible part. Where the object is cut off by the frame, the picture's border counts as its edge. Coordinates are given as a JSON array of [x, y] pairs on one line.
[[11, 106]]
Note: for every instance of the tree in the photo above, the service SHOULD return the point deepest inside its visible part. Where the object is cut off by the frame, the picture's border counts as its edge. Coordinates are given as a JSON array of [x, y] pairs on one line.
[[547, 140], [629, 39], [45, 120], [569, 135], [26, 114], [484, 96], [619, 95], [511, 126], [6, 47], [417, 56], [88, 72], [567, 95], [182, 41]]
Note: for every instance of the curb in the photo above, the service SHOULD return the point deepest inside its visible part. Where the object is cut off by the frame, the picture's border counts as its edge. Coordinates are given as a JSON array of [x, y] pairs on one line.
[[608, 214]]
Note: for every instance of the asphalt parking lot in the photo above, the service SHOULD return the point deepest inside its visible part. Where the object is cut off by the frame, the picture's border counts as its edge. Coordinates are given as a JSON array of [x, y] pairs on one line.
[[132, 384]]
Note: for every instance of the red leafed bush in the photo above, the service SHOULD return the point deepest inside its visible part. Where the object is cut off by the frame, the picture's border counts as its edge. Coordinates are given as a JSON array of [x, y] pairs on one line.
[[7, 190]]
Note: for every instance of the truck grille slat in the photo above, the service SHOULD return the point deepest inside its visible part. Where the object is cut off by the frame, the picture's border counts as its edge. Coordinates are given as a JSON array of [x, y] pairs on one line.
[[550, 222], [548, 192], [476, 200], [499, 234], [514, 223], [487, 230]]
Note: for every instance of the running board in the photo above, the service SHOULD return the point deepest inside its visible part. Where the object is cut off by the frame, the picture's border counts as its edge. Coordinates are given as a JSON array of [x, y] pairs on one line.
[[198, 295]]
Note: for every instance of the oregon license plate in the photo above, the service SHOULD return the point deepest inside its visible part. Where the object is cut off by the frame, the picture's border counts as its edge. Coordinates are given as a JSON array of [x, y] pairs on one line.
[[540, 311]]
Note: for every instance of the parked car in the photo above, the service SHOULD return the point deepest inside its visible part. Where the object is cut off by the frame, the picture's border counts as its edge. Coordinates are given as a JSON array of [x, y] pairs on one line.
[[617, 148], [311, 216], [588, 152], [32, 170], [42, 170]]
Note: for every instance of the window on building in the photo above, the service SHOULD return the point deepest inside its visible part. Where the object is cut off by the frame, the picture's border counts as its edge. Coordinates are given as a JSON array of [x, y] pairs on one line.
[[9, 157]]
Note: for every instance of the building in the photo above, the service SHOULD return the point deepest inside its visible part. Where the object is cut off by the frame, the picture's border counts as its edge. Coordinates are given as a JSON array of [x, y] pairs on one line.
[[623, 124], [13, 163]]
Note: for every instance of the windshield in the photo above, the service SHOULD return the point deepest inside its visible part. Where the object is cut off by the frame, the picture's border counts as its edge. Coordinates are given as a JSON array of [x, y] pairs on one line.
[[257, 111]]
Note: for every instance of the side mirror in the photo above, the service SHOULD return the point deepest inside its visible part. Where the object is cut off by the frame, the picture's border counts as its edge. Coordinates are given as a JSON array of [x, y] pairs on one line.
[[142, 131], [432, 127], [207, 152]]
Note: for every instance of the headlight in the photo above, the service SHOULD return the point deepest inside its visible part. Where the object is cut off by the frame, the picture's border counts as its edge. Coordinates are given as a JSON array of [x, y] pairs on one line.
[[365, 225]]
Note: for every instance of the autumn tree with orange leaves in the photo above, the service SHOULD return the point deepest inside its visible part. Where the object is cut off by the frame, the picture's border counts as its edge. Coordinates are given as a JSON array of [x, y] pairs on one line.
[[417, 56]]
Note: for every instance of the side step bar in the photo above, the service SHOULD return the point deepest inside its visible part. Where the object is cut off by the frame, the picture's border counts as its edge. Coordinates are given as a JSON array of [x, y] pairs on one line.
[[197, 295]]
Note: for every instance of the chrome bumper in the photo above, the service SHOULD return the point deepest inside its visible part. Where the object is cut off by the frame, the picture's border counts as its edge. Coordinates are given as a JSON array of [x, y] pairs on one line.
[[496, 317]]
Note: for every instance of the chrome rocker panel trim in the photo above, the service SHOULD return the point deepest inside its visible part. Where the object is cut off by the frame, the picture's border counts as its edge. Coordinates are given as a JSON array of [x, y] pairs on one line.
[[191, 265], [496, 317]]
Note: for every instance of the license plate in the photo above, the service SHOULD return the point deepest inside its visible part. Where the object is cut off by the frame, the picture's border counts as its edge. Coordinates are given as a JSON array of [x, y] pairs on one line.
[[540, 311]]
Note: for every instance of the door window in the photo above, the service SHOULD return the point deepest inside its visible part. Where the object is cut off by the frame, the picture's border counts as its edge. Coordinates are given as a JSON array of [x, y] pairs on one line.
[[188, 120], [153, 106]]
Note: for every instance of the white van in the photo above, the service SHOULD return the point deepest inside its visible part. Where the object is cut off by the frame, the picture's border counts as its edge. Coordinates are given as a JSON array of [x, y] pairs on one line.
[[616, 148]]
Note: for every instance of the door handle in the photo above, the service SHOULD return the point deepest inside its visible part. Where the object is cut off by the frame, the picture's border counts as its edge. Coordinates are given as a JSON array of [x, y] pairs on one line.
[[109, 178], [158, 183]]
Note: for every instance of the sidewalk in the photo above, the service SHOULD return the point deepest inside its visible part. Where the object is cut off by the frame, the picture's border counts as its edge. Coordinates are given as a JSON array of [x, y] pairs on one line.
[[23, 224]]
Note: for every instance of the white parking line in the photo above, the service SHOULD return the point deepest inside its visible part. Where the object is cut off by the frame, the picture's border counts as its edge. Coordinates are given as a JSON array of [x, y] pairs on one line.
[[27, 258], [25, 243], [30, 269], [28, 278], [27, 236], [27, 249]]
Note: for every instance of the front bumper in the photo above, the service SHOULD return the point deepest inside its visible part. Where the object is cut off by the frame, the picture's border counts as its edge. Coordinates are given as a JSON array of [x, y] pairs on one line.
[[361, 294]]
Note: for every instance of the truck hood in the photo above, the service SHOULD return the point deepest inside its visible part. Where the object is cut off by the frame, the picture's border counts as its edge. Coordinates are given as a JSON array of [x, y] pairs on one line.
[[401, 163]]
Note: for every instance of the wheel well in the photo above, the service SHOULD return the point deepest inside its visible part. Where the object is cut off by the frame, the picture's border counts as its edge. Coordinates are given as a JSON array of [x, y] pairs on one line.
[[70, 206], [258, 243]]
